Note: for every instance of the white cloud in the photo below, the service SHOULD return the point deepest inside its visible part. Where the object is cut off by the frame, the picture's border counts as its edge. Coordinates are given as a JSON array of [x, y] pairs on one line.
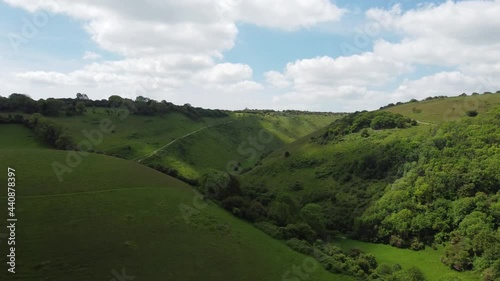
[[330, 82], [450, 34], [277, 79], [287, 14], [174, 48], [91, 56], [169, 46], [462, 37], [442, 83]]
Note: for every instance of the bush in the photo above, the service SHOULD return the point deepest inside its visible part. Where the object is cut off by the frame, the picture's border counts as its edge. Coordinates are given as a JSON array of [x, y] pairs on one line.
[[269, 229], [416, 245], [233, 202], [472, 113], [301, 231], [300, 246], [396, 241], [297, 186]]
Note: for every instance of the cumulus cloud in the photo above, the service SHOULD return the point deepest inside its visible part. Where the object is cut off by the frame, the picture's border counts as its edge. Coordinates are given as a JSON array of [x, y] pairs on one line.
[[174, 45], [91, 56], [441, 83], [277, 79], [462, 37]]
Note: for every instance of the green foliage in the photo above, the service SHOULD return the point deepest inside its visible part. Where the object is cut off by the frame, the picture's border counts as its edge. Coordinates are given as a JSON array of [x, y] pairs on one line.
[[358, 121], [219, 185], [300, 246], [50, 133], [123, 211], [472, 113], [312, 214]]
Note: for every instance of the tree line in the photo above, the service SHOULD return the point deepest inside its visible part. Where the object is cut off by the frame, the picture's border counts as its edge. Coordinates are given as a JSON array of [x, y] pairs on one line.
[[81, 104]]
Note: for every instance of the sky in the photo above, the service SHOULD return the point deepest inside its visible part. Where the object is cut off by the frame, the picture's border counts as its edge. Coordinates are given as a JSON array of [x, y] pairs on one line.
[[317, 55]]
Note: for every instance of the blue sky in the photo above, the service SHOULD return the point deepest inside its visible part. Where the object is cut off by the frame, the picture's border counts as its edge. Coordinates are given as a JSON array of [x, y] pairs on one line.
[[248, 55]]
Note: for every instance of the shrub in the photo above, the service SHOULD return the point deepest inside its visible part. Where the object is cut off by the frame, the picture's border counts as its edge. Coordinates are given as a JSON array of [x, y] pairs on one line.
[[396, 241], [472, 113], [300, 246], [301, 231], [270, 229], [297, 186], [416, 245]]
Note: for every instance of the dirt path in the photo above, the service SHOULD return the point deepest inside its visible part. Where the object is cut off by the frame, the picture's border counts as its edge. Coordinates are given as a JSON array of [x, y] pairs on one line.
[[425, 123], [172, 142]]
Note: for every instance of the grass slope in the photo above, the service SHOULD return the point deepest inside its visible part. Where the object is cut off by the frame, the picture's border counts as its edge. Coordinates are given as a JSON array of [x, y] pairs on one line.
[[425, 259], [213, 144], [446, 109], [324, 173], [110, 214], [18, 136]]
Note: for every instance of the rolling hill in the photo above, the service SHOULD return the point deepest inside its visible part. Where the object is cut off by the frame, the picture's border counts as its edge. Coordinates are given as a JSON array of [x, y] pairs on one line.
[[375, 178], [111, 217]]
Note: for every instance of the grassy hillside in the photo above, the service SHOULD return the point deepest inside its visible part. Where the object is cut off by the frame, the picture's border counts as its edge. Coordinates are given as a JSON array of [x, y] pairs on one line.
[[190, 146], [18, 136], [218, 146], [446, 109], [111, 214], [425, 259], [377, 178]]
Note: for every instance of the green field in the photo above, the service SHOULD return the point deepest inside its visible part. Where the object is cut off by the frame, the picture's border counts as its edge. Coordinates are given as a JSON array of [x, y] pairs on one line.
[[16, 136], [446, 109], [110, 214], [427, 260], [190, 147]]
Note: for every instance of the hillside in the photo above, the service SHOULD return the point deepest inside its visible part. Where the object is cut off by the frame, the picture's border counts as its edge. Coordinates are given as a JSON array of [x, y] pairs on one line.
[[412, 185], [168, 137], [410, 176], [111, 216], [442, 109]]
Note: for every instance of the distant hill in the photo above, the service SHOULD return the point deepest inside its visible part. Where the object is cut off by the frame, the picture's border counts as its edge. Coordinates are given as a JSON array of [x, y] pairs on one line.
[[441, 109]]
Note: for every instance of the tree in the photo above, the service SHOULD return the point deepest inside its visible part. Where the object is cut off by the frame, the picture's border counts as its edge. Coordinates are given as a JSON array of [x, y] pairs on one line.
[[80, 96], [115, 101], [312, 214], [80, 108], [51, 107]]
